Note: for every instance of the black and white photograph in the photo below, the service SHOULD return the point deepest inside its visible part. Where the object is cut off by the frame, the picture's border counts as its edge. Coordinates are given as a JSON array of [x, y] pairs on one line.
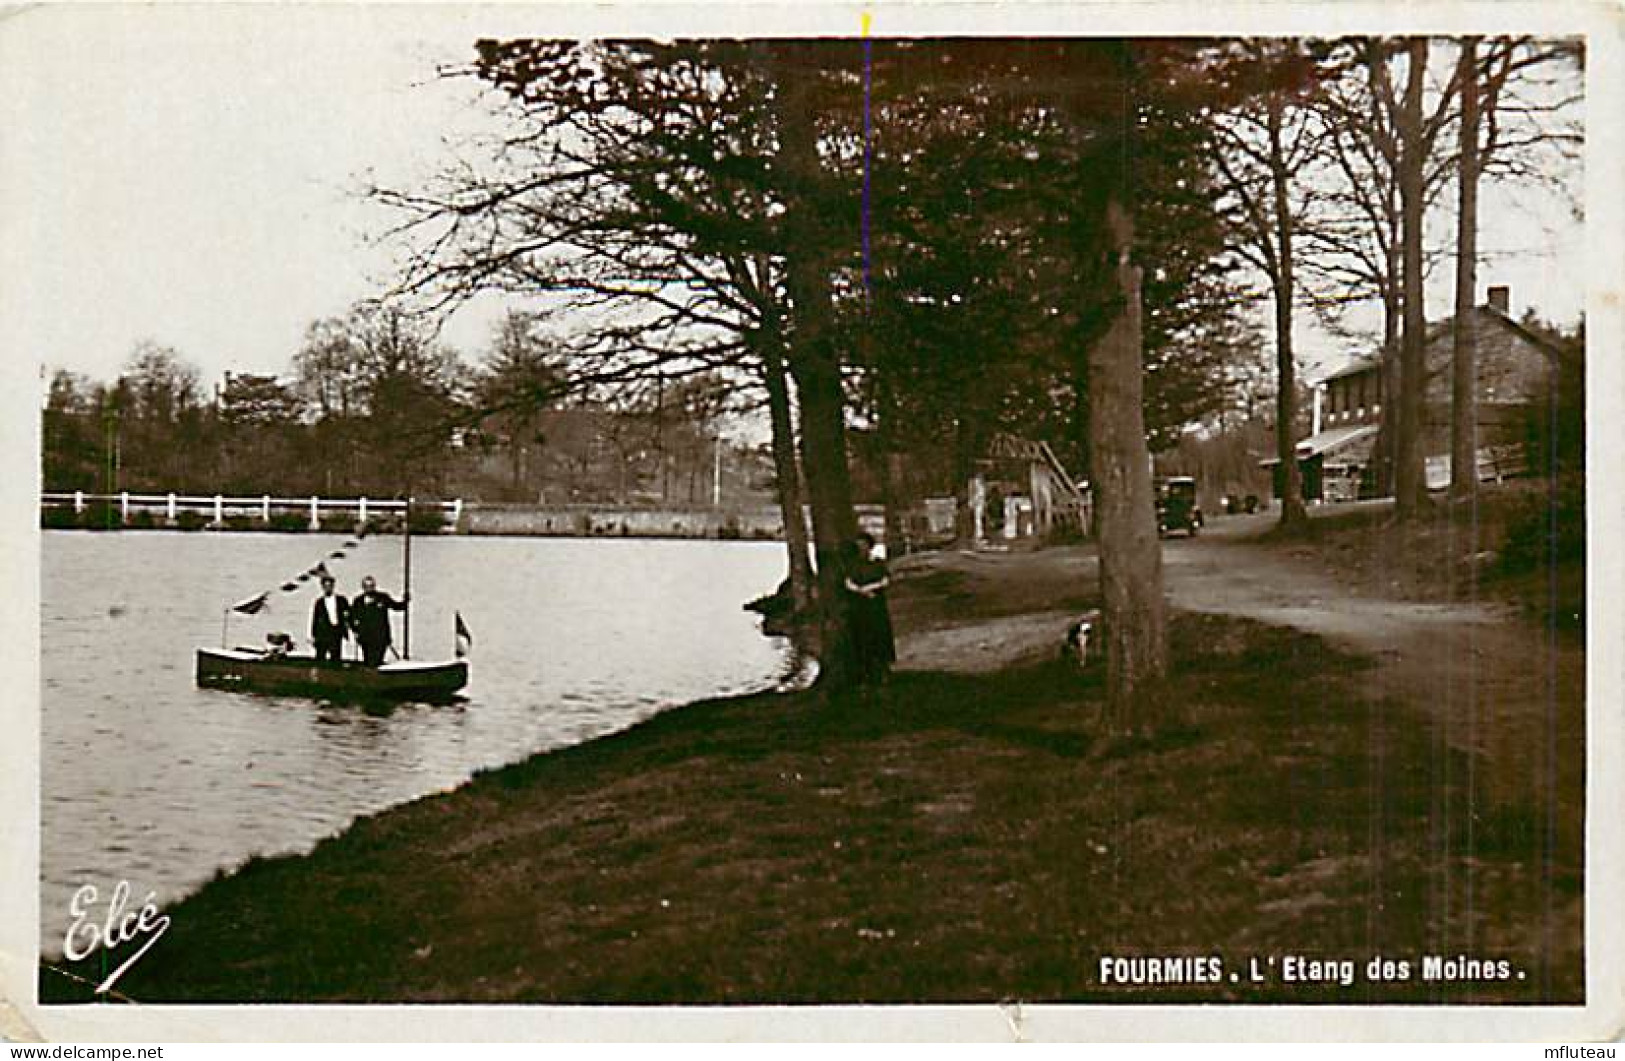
[[975, 513]]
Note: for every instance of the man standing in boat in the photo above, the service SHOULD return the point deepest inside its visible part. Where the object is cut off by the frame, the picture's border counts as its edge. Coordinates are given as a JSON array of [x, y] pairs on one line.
[[329, 622], [369, 618]]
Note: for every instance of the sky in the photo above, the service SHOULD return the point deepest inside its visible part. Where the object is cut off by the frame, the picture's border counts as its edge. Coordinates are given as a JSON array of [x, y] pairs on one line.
[[188, 175]]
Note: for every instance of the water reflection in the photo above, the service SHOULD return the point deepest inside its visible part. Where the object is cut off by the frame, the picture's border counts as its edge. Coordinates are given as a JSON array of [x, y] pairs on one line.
[[574, 639]]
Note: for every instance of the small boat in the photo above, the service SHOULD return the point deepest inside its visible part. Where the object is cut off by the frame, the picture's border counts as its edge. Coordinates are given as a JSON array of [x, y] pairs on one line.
[[280, 670], [250, 670]]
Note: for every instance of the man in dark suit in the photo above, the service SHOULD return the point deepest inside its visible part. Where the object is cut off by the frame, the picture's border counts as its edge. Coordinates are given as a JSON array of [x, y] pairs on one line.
[[369, 618], [329, 622]]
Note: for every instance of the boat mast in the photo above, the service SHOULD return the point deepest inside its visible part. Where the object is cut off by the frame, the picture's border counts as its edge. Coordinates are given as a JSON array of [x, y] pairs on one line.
[[406, 593]]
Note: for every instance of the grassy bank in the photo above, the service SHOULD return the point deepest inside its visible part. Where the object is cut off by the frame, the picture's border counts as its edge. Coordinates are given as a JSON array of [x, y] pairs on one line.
[[950, 838]]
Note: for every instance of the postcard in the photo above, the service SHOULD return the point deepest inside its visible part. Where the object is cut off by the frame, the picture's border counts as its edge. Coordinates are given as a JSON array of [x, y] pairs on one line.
[[908, 522]]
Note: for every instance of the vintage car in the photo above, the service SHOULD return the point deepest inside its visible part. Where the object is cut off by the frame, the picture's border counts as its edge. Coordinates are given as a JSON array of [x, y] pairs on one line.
[[1176, 506]]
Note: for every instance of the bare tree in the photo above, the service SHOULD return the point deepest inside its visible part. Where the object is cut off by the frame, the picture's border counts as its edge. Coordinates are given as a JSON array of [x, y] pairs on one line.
[[635, 190], [1264, 151], [1355, 249], [521, 377], [385, 395], [1514, 126]]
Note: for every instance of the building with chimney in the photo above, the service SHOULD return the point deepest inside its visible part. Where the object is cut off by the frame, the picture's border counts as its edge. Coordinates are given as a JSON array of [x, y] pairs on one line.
[[1516, 366]]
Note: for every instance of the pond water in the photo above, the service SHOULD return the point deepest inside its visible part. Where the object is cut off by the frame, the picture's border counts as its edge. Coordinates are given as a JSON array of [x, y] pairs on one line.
[[147, 778]]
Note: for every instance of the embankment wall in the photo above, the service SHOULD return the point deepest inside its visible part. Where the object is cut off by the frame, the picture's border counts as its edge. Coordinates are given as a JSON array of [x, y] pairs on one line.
[[761, 522]]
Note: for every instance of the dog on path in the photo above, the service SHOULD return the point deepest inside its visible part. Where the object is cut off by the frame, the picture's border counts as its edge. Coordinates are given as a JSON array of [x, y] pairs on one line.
[[1085, 643]]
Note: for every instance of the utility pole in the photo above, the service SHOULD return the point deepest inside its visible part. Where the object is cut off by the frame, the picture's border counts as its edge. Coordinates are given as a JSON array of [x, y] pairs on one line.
[[111, 417], [716, 475], [660, 435], [406, 581]]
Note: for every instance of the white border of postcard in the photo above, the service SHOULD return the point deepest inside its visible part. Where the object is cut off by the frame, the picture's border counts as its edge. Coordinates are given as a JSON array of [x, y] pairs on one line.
[[1602, 24]]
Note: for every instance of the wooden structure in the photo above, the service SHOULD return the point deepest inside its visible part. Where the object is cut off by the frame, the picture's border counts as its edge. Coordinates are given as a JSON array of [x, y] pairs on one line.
[[1021, 490]]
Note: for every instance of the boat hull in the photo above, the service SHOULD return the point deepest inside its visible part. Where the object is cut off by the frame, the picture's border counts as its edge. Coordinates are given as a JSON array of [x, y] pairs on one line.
[[248, 671]]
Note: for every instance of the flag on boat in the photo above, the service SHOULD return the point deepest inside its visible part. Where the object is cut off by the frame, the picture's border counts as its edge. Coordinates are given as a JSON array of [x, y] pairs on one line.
[[255, 605], [465, 640]]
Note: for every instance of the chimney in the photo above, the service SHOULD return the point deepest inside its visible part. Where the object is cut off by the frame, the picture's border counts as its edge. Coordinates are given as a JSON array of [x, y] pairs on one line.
[[1500, 297]]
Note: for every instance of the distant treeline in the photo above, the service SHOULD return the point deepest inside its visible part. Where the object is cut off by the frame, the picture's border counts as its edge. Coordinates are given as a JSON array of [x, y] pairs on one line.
[[372, 407]]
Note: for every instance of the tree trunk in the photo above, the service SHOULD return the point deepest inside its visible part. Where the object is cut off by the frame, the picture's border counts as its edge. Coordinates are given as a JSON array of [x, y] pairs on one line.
[[1125, 511], [892, 493], [517, 448], [829, 494], [1388, 371], [787, 471], [1464, 353], [1410, 486], [964, 467], [898, 503], [1286, 391], [1388, 422], [815, 366]]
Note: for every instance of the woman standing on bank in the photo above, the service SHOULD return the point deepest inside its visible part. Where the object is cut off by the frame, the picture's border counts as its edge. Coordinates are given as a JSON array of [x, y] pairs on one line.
[[874, 648]]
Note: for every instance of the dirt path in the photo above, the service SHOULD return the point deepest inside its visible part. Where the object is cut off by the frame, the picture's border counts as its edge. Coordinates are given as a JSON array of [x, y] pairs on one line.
[[1508, 694]]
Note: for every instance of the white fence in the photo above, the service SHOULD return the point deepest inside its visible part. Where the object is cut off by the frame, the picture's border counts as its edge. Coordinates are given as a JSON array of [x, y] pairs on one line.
[[218, 508]]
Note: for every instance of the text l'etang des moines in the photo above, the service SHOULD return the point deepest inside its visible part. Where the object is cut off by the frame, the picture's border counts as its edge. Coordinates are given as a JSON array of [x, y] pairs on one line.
[[1186, 970]]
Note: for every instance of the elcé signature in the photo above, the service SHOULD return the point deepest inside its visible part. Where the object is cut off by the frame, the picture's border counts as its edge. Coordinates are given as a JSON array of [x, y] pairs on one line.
[[118, 927]]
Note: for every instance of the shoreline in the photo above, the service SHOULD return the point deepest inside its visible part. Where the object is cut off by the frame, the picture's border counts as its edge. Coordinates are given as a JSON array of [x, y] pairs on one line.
[[789, 683], [959, 835], [340, 533]]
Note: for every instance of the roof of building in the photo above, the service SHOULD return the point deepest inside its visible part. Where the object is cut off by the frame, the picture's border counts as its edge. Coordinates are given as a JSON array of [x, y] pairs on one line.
[[1335, 438], [1328, 441], [1360, 363], [1007, 445], [1367, 361]]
